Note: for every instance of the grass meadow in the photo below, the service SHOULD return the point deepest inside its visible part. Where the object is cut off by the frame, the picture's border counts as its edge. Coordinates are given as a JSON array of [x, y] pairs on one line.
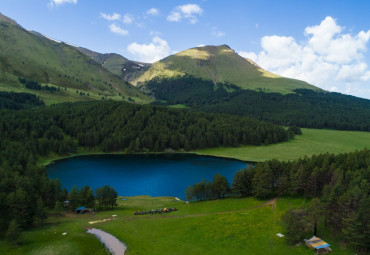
[[312, 141], [229, 226]]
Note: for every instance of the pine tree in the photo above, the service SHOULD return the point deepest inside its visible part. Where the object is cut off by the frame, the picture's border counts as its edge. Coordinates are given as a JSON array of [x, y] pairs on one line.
[[21, 207], [14, 232], [294, 224], [74, 198], [262, 182], [220, 185], [59, 208], [315, 211], [40, 212]]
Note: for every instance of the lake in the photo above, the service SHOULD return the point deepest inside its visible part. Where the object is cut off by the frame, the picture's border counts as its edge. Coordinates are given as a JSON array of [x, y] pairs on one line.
[[142, 174]]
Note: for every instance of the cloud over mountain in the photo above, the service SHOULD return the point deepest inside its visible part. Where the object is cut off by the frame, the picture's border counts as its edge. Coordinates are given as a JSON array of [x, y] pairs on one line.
[[151, 52], [329, 57]]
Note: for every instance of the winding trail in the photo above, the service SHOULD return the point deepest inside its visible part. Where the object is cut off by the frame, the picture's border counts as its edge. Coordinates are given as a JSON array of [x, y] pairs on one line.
[[114, 246]]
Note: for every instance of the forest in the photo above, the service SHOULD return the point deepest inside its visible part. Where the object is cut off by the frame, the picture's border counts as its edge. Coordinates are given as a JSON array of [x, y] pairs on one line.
[[339, 184], [25, 135], [34, 85], [17, 101], [305, 108]]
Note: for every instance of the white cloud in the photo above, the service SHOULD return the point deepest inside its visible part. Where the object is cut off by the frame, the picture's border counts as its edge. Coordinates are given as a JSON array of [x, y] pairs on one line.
[[117, 30], [328, 58], [128, 19], [217, 33], [151, 52], [153, 12], [187, 11], [114, 16], [60, 2], [174, 16]]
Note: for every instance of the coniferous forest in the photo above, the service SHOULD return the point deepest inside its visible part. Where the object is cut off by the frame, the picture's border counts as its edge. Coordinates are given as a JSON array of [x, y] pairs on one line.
[[109, 126], [305, 108]]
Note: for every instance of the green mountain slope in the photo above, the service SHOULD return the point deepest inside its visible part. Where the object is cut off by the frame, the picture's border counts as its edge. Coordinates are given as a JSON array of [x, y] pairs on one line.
[[220, 64], [115, 63], [35, 57]]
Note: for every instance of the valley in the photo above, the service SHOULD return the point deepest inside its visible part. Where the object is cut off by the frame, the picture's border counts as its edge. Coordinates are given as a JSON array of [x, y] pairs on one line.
[[175, 132]]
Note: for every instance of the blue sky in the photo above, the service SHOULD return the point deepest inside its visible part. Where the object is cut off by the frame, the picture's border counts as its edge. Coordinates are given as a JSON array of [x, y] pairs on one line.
[[324, 42]]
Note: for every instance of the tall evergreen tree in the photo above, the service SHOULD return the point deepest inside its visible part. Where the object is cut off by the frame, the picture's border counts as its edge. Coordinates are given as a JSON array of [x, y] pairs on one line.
[[14, 232], [220, 186]]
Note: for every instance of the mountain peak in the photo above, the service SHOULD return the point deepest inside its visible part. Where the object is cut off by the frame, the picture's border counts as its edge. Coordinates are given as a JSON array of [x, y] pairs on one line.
[[7, 19], [221, 64]]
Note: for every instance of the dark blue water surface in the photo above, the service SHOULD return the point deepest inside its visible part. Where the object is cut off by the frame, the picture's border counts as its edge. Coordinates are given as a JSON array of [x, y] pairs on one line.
[[132, 175]]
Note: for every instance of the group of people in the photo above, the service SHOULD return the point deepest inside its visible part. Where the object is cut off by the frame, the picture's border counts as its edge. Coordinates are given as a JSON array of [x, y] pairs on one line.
[[156, 211]]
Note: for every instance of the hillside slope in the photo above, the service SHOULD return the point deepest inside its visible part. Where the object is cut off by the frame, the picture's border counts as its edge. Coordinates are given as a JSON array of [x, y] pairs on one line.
[[115, 63], [220, 64], [25, 54]]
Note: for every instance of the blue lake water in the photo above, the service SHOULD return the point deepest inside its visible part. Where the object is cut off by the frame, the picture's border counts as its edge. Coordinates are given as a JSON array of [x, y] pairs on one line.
[[132, 175]]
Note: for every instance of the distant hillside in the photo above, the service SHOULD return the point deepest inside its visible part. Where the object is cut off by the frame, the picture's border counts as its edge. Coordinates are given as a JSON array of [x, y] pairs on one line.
[[25, 54], [304, 108], [220, 64], [115, 63]]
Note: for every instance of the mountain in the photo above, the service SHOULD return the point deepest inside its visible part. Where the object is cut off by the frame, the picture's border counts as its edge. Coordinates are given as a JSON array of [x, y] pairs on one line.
[[36, 58], [115, 63], [221, 64]]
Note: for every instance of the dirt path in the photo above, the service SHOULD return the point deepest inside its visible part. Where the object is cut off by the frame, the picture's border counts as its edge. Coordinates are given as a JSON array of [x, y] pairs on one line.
[[114, 246], [270, 202]]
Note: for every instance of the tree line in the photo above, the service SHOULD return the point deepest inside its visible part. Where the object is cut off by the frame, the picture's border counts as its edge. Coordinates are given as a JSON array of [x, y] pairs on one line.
[[34, 85], [304, 108], [340, 184], [103, 198], [18, 101]]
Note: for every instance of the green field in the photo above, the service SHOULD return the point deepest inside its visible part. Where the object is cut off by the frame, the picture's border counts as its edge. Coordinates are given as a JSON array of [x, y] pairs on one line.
[[312, 141], [230, 226]]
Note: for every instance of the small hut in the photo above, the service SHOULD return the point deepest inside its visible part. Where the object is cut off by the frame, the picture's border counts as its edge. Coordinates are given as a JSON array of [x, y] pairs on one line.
[[83, 209], [320, 246]]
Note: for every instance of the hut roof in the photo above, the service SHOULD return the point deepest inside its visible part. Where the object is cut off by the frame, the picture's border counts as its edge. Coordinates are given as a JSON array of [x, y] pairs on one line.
[[317, 243]]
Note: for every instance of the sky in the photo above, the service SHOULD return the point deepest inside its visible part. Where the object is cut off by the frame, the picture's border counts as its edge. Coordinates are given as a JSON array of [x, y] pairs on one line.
[[323, 42]]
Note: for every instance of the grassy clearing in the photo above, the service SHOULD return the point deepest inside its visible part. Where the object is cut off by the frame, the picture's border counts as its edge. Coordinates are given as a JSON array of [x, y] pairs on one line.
[[65, 95], [313, 141], [249, 230]]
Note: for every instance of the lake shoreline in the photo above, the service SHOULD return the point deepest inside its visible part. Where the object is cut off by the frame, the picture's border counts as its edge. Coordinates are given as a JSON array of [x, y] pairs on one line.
[[154, 174], [47, 161]]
